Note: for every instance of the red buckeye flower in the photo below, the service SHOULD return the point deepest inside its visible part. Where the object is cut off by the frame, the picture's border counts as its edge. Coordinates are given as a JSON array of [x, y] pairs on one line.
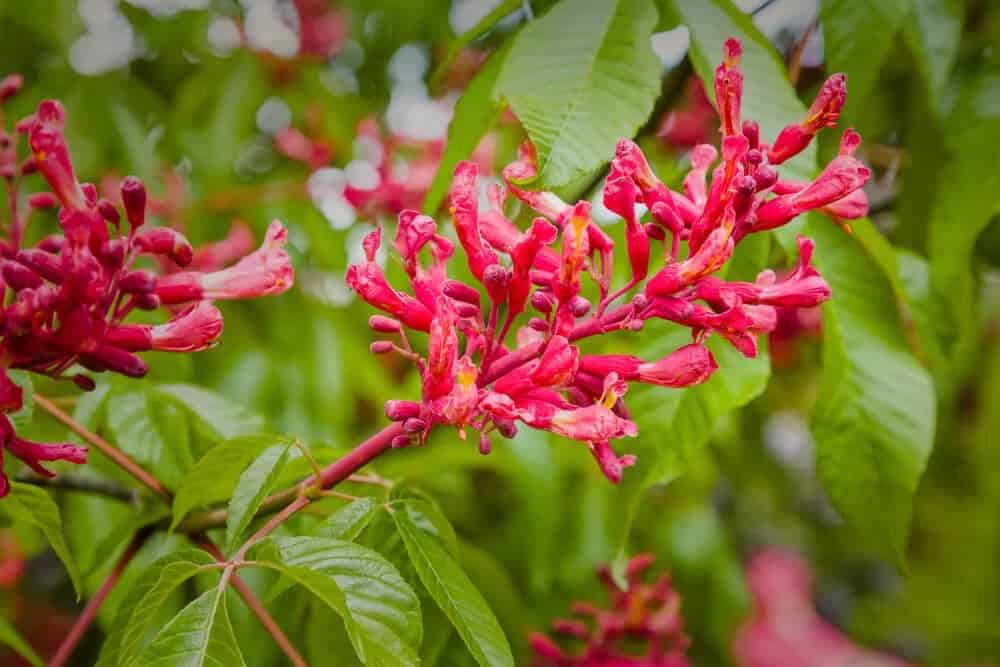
[[473, 377], [67, 297]]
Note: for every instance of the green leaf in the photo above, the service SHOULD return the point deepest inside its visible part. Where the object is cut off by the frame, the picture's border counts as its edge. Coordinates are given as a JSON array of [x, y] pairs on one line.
[[933, 32], [138, 613], [153, 431], [214, 477], [198, 636], [875, 417], [967, 195], [768, 97], [348, 521], [10, 637], [253, 486], [426, 514], [381, 612], [217, 417], [33, 505], [857, 37], [475, 112], [454, 593], [580, 78]]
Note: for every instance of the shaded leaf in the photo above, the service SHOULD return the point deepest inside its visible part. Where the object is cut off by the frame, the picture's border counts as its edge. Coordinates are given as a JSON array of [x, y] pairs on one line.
[[580, 78], [217, 417], [33, 505], [153, 431], [348, 521], [933, 32], [10, 637]]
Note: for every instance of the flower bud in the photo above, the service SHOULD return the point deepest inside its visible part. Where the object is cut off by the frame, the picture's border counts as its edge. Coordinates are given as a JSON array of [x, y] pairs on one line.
[[194, 329], [9, 86], [579, 306], [164, 241], [507, 427], [147, 301], [459, 291], [484, 444], [134, 199], [496, 279], [467, 310], [108, 211], [381, 347], [45, 264], [401, 410], [43, 201], [414, 425], [138, 282], [538, 324], [19, 277], [686, 366], [542, 301], [383, 324], [400, 441], [113, 253], [751, 130], [84, 382]]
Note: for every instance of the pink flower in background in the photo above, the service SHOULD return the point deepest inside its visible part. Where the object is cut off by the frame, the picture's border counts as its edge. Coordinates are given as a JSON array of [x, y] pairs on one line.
[[641, 627], [66, 299], [473, 379], [785, 630]]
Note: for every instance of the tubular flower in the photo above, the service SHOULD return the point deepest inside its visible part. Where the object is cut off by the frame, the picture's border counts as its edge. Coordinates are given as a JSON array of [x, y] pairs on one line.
[[642, 626], [474, 377], [66, 299], [784, 629]]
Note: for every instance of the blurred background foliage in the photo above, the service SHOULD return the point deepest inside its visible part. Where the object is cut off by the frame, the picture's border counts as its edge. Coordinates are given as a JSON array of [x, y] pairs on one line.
[[189, 95]]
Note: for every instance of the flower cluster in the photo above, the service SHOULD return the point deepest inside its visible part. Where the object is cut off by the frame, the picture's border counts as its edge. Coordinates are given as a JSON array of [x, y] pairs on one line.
[[545, 381], [643, 617], [785, 630], [66, 298]]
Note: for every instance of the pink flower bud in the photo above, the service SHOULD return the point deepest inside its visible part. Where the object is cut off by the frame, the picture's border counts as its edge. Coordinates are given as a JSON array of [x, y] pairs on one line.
[[84, 382], [684, 367], [138, 282], [43, 201], [45, 264], [194, 329], [459, 291], [108, 211], [496, 280], [484, 444], [381, 347], [384, 324], [579, 306], [751, 130], [729, 88], [401, 410], [542, 301], [401, 441], [9, 86], [164, 241], [108, 357], [19, 277], [134, 199], [11, 395], [414, 425]]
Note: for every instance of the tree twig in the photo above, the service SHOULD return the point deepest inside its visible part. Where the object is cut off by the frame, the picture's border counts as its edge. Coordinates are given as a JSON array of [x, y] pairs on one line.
[[100, 487], [120, 458], [86, 617]]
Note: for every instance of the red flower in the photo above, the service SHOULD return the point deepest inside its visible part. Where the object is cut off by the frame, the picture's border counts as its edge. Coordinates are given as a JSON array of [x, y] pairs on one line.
[[641, 627], [67, 297], [472, 379]]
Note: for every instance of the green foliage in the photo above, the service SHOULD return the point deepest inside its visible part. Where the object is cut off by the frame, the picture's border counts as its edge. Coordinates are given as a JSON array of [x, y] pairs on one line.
[[256, 482], [380, 611], [454, 594], [10, 637], [580, 78]]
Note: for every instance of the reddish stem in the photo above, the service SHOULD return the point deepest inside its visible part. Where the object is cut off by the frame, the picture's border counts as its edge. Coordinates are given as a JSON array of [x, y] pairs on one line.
[[119, 457], [254, 604], [84, 620]]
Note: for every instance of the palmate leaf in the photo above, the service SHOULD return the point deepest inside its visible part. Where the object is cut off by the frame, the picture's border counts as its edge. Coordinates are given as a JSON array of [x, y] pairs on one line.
[[201, 635], [875, 416], [381, 612], [580, 78], [454, 593], [33, 505]]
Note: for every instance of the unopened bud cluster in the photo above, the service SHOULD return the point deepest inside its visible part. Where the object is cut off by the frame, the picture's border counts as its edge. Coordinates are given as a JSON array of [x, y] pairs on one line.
[[66, 298], [471, 375]]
